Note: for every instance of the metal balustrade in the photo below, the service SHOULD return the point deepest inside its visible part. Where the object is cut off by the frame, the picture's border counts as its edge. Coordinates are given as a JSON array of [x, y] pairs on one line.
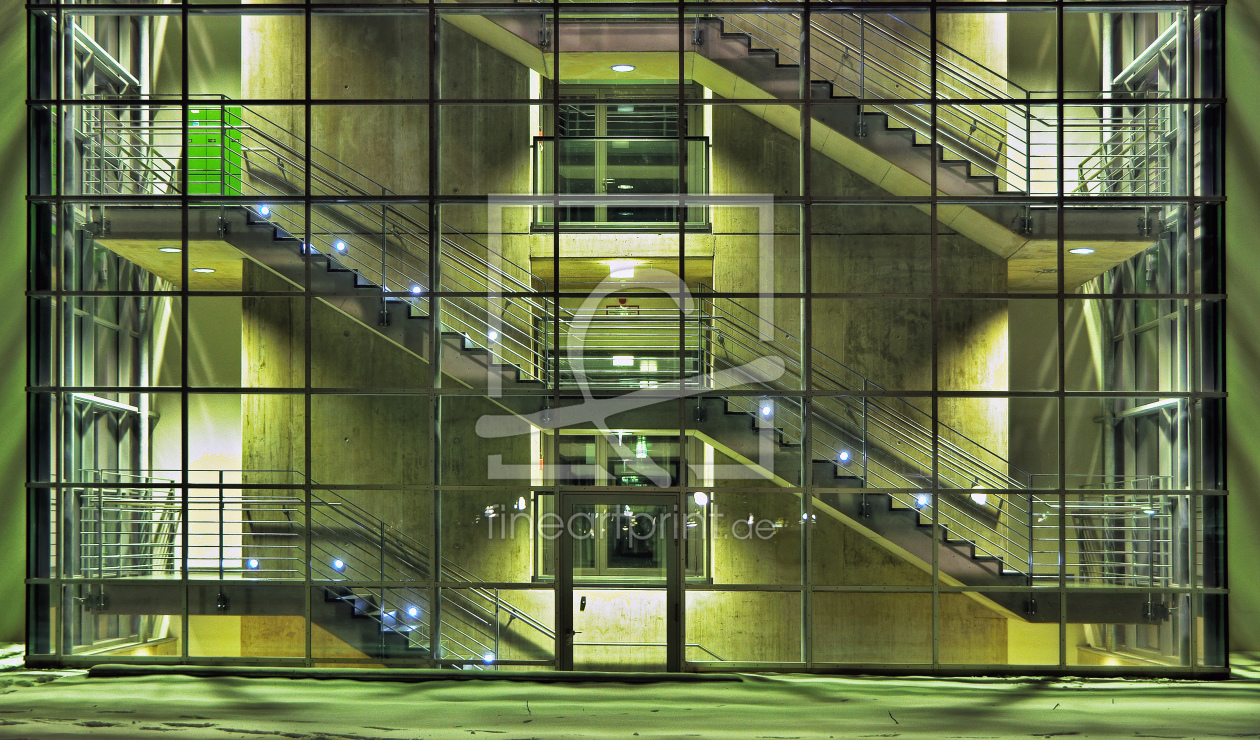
[[136, 532], [879, 56]]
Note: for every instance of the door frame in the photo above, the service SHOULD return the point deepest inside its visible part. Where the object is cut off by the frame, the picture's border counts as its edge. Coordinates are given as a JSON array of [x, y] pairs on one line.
[[674, 634]]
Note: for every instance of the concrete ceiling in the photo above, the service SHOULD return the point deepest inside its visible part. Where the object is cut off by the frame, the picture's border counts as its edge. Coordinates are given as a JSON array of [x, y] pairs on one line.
[[216, 255]]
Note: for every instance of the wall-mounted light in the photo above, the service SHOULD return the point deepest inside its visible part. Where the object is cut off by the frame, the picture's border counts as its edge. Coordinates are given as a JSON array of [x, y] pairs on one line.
[[521, 504], [264, 210], [493, 335], [621, 268], [170, 250], [488, 657], [701, 498], [340, 246], [843, 456], [623, 68], [767, 409], [979, 498], [252, 563], [338, 564], [623, 360], [413, 612], [1081, 250], [203, 270], [416, 290], [921, 500]]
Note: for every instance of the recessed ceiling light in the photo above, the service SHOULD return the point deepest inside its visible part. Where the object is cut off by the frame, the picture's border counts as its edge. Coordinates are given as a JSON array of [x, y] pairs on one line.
[[623, 186], [1082, 250], [204, 270], [170, 250], [623, 68]]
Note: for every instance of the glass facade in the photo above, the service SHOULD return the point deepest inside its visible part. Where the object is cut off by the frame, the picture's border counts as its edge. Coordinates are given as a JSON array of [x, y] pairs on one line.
[[647, 336]]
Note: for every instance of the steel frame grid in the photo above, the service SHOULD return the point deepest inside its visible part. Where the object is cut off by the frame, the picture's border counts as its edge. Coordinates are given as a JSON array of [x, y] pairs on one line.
[[185, 10]]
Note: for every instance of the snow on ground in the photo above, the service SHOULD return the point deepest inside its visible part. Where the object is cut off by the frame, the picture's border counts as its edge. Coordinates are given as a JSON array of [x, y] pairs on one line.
[[71, 704]]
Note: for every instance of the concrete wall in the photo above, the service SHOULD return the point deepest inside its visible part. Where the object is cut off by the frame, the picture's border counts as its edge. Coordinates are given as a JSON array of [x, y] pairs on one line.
[[888, 342], [355, 439], [13, 308], [1242, 152]]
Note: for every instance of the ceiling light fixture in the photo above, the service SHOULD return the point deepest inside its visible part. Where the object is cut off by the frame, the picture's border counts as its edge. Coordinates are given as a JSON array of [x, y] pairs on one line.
[[203, 270], [623, 68], [1081, 250], [170, 250]]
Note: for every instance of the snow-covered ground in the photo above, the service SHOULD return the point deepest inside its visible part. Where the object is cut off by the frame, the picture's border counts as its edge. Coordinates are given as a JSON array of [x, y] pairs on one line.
[[71, 704]]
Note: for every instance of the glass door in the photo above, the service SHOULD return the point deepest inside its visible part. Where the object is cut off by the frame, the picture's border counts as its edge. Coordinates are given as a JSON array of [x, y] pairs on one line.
[[619, 583]]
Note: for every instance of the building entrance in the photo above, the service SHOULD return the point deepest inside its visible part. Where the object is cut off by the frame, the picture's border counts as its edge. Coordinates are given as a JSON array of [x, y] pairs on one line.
[[619, 588]]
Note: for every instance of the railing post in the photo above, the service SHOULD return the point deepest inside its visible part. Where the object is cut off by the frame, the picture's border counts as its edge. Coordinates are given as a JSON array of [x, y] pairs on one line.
[[100, 528], [1028, 179], [384, 320], [861, 122], [1032, 519], [222, 150], [865, 408], [496, 624], [384, 240], [221, 553]]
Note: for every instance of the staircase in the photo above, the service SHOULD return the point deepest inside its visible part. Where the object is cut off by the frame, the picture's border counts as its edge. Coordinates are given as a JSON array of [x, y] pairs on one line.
[[127, 533], [372, 263]]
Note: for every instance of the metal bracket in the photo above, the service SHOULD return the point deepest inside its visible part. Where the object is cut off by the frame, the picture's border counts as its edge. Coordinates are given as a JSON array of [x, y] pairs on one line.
[[1030, 606], [225, 228], [96, 602], [859, 130], [1147, 225], [697, 36], [222, 603], [1155, 611], [698, 414], [1024, 224], [544, 36], [384, 320]]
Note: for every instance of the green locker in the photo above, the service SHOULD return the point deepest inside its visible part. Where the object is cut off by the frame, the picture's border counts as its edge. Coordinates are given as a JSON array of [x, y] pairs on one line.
[[214, 150]]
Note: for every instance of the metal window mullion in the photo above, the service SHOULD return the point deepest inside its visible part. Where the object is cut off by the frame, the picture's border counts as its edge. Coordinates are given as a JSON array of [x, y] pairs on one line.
[[184, 295], [307, 343], [1061, 362]]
